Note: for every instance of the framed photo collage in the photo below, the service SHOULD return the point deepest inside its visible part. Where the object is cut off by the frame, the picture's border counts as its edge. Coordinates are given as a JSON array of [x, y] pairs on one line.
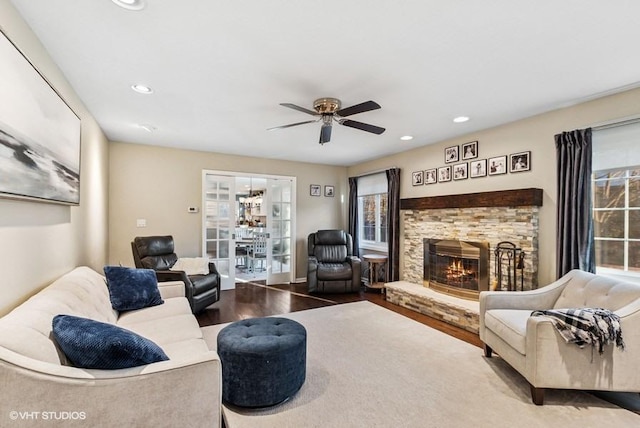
[[461, 162]]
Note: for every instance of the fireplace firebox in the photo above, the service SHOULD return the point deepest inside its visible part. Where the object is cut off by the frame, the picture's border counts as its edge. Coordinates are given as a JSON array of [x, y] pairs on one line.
[[460, 268]]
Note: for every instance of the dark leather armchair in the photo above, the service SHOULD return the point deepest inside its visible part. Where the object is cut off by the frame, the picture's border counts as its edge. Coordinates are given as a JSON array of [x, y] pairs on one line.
[[332, 267], [157, 253]]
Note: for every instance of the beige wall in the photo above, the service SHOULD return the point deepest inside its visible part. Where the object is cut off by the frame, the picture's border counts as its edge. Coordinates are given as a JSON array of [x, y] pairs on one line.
[[123, 182], [158, 184], [535, 134], [41, 241]]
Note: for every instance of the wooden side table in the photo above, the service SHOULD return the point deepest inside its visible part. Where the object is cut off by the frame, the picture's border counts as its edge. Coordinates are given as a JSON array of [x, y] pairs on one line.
[[376, 262]]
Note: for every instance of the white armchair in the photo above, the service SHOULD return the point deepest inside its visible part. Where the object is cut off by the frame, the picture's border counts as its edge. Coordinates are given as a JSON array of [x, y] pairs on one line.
[[533, 346]]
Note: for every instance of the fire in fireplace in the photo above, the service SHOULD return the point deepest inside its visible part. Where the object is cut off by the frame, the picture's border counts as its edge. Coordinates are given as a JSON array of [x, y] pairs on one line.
[[456, 267]]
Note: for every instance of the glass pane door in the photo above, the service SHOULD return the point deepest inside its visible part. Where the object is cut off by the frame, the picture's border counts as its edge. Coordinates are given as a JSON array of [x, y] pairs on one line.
[[279, 213], [219, 220]]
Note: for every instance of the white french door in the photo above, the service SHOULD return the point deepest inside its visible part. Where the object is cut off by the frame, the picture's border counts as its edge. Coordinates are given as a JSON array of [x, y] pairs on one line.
[[219, 215], [279, 222]]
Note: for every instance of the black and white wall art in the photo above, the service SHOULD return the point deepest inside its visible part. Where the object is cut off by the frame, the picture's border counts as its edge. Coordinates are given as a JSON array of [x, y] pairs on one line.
[[39, 134]]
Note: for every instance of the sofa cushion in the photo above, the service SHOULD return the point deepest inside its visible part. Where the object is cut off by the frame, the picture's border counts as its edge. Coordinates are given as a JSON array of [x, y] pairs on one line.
[[95, 345], [171, 307], [131, 289], [26, 330], [510, 325], [584, 290], [165, 330]]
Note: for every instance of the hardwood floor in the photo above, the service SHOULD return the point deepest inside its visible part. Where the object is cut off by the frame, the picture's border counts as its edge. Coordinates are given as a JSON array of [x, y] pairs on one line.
[[255, 299]]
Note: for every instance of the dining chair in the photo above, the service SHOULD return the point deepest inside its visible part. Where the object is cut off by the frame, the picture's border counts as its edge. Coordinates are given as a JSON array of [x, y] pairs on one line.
[[258, 250]]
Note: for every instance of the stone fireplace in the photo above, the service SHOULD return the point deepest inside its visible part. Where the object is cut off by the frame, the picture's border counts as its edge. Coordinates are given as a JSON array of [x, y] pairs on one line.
[[488, 218], [455, 267]]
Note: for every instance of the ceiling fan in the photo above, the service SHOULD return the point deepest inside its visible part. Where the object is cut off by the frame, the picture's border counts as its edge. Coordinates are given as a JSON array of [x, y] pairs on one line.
[[328, 110]]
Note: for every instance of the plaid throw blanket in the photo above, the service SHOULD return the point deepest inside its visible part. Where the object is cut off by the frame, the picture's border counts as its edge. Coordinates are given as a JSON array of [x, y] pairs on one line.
[[593, 326]]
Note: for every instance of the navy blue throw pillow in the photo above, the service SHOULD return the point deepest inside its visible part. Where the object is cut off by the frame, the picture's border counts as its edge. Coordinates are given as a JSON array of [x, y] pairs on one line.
[[131, 289], [92, 344]]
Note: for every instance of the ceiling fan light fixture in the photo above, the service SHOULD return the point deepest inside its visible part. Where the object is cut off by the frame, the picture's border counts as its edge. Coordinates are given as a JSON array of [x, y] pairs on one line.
[[406, 137], [461, 119], [131, 4], [326, 105]]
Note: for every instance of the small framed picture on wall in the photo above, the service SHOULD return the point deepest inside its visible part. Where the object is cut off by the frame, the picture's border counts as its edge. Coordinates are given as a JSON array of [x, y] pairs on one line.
[[497, 165], [451, 154], [519, 162], [460, 171], [430, 176], [470, 150], [329, 191], [417, 178], [444, 174], [478, 168], [315, 190]]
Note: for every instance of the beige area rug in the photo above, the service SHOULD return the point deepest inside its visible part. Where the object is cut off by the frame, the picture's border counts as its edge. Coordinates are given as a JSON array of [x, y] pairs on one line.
[[370, 367]]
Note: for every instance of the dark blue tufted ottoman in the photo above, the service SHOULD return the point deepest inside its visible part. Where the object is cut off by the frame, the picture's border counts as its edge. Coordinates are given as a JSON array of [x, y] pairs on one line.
[[263, 361]]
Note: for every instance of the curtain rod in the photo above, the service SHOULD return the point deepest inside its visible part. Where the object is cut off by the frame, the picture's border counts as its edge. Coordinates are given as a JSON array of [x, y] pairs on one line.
[[377, 171], [616, 123]]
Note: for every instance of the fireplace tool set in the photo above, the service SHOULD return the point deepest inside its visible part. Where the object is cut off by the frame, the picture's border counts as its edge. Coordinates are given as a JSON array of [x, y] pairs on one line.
[[509, 260]]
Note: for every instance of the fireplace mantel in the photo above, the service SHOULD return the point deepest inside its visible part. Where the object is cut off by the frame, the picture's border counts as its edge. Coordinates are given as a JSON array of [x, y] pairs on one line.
[[500, 198]]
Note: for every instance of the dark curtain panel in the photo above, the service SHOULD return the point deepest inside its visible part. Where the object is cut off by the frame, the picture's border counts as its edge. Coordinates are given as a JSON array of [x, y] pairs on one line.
[[353, 214], [575, 248], [393, 223]]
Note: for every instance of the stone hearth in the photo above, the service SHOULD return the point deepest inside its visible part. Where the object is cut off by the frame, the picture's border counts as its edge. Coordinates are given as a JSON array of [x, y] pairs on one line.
[[453, 310]]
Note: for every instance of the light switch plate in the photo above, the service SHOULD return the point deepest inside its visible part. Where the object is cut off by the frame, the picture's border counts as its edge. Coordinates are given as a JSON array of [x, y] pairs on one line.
[[141, 222]]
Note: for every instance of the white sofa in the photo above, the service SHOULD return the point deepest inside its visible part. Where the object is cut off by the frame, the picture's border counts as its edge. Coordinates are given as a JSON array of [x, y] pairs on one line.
[[183, 391], [533, 347]]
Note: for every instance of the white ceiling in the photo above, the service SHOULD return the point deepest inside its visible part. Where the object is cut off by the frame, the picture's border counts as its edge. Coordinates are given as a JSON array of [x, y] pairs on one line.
[[219, 69]]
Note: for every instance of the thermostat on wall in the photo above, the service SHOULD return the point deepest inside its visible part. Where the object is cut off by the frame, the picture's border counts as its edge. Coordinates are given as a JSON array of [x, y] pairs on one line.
[[192, 209]]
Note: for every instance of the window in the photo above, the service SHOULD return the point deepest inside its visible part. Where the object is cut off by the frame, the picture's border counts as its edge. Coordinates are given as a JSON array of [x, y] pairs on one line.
[[616, 199], [373, 224], [372, 211]]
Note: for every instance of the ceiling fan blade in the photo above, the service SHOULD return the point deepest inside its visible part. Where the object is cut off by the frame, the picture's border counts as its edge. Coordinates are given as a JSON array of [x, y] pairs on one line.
[[302, 109], [358, 108], [325, 134], [362, 126], [292, 124]]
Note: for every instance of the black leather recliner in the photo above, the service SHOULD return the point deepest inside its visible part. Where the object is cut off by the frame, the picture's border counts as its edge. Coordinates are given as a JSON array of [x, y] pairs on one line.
[[158, 253], [332, 267]]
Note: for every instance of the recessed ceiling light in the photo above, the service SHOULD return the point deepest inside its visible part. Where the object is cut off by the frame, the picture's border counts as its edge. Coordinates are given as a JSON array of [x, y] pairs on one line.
[[130, 4], [142, 89], [460, 119], [406, 137], [147, 127]]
